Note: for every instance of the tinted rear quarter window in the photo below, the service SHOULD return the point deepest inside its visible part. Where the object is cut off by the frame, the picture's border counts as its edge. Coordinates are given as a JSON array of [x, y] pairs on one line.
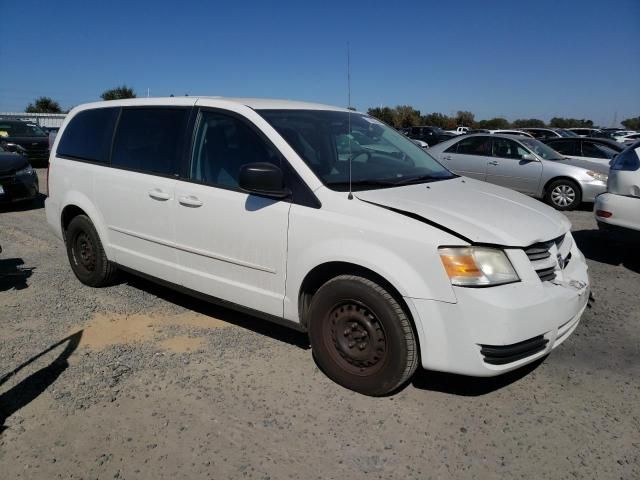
[[565, 148], [88, 135], [475, 146], [150, 140]]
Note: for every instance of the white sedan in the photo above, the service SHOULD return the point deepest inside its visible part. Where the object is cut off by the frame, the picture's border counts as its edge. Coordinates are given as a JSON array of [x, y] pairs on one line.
[[618, 210]]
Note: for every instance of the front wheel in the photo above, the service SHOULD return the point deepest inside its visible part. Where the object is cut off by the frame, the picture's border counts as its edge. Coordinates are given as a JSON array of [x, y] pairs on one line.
[[564, 195], [361, 337]]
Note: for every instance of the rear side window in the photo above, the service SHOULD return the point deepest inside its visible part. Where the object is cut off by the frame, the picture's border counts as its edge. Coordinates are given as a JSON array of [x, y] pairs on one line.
[[595, 150], [565, 148], [150, 140], [475, 146], [88, 135]]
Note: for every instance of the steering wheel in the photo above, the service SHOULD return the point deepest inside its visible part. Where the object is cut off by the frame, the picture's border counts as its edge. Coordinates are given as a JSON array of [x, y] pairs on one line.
[[361, 152]]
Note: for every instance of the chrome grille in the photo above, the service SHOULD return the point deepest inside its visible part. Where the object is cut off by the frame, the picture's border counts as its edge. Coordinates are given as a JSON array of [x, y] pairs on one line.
[[543, 263]]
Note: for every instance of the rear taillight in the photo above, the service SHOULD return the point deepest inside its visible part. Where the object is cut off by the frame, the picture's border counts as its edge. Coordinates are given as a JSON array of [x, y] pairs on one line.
[[603, 214]]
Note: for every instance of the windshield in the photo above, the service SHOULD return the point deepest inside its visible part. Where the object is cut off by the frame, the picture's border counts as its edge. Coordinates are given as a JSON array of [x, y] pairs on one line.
[[380, 156], [566, 133], [20, 129], [540, 149]]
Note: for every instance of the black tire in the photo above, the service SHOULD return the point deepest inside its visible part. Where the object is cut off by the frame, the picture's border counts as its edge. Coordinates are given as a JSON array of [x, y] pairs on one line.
[[86, 254], [361, 337], [563, 194]]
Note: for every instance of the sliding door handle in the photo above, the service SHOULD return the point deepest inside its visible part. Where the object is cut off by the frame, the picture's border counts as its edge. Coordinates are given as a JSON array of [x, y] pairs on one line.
[[190, 201], [158, 194]]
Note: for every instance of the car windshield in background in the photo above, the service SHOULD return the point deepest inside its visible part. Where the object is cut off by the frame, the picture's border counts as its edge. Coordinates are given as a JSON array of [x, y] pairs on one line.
[[540, 149], [567, 133], [20, 129], [380, 156]]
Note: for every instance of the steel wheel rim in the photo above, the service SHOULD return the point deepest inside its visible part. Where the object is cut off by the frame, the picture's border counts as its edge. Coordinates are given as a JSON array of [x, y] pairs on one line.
[[84, 254], [355, 339], [563, 195]]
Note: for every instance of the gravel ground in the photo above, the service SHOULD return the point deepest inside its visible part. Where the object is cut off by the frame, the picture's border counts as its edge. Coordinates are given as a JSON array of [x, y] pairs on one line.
[[136, 381]]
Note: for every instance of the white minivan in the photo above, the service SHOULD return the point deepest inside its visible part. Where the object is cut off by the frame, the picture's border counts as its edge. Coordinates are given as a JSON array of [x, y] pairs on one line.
[[323, 219]]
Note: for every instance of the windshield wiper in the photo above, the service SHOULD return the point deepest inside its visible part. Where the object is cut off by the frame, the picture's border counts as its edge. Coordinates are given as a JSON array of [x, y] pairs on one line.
[[422, 179], [363, 183]]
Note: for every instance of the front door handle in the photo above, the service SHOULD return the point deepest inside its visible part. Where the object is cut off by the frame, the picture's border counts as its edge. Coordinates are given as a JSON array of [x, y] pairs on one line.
[[493, 163], [190, 201], [158, 194]]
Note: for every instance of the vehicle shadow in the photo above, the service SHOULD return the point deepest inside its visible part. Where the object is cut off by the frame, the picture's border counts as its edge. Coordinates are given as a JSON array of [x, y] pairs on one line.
[[24, 205], [240, 319], [465, 386], [31, 387], [599, 247], [13, 275]]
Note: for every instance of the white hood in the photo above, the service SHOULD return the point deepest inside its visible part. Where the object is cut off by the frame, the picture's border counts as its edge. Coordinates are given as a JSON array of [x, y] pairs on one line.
[[478, 211]]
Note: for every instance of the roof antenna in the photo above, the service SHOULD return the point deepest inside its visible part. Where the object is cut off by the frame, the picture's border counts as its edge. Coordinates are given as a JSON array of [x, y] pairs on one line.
[[350, 196]]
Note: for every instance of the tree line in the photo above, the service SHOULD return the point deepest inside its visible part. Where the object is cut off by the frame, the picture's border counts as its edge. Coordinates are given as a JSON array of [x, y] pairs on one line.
[[401, 116], [404, 116]]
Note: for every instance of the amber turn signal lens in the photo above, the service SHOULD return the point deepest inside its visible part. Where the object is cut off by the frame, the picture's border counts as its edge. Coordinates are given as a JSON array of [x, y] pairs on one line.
[[460, 266]]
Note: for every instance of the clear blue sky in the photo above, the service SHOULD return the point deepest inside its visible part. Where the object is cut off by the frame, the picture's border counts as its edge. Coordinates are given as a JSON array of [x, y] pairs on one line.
[[578, 58]]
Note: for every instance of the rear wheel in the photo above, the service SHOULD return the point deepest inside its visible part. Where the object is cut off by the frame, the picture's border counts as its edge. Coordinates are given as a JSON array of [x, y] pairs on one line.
[[86, 254], [564, 195], [361, 336]]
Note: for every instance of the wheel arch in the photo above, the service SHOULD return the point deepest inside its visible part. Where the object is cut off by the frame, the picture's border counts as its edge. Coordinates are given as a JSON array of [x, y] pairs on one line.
[[561, 177], [324, 272], [77, 203]]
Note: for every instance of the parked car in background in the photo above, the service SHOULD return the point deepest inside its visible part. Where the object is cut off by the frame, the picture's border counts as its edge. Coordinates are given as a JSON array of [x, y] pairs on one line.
[[626, 137], [29, 136], [542, 133], [420, 143], [321, 218], [526, 165], [584, 131], [459, 130], [599, 150], [609, 133], [430, 135], [505, 131], [52, 132], [618, 210], [18, 181]]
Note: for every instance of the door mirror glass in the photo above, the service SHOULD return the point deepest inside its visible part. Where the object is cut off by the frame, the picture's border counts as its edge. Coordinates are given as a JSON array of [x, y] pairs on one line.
[[263, 178]]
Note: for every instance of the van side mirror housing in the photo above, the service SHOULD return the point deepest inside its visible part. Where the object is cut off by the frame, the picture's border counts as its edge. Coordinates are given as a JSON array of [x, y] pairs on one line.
[[263, 178]]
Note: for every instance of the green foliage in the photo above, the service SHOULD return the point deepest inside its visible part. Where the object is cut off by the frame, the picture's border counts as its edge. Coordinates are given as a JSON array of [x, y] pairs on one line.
[[118, 93], [464, 119], [528, 122], [560, 122], [384, 114], [631, 123], [493, 123], [406, 116], [437, 119], [43, 105]]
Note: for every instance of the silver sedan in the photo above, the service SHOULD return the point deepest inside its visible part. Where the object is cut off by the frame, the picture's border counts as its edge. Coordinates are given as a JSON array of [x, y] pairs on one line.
[[526, 165]]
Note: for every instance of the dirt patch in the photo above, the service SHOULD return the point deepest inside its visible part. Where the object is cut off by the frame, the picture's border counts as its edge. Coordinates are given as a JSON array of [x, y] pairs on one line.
[[182, 344], [105, 330]]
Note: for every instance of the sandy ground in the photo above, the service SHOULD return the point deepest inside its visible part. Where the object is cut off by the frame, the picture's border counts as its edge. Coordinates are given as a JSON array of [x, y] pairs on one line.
[[136, 381]]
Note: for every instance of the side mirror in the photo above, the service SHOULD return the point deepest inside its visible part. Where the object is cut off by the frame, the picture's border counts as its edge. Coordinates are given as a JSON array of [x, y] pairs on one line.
[[529, 157], [263, 178]]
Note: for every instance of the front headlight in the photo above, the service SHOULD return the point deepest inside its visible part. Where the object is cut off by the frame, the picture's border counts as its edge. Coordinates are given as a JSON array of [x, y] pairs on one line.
[[25, 171], [603, 177], [477, 266]]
